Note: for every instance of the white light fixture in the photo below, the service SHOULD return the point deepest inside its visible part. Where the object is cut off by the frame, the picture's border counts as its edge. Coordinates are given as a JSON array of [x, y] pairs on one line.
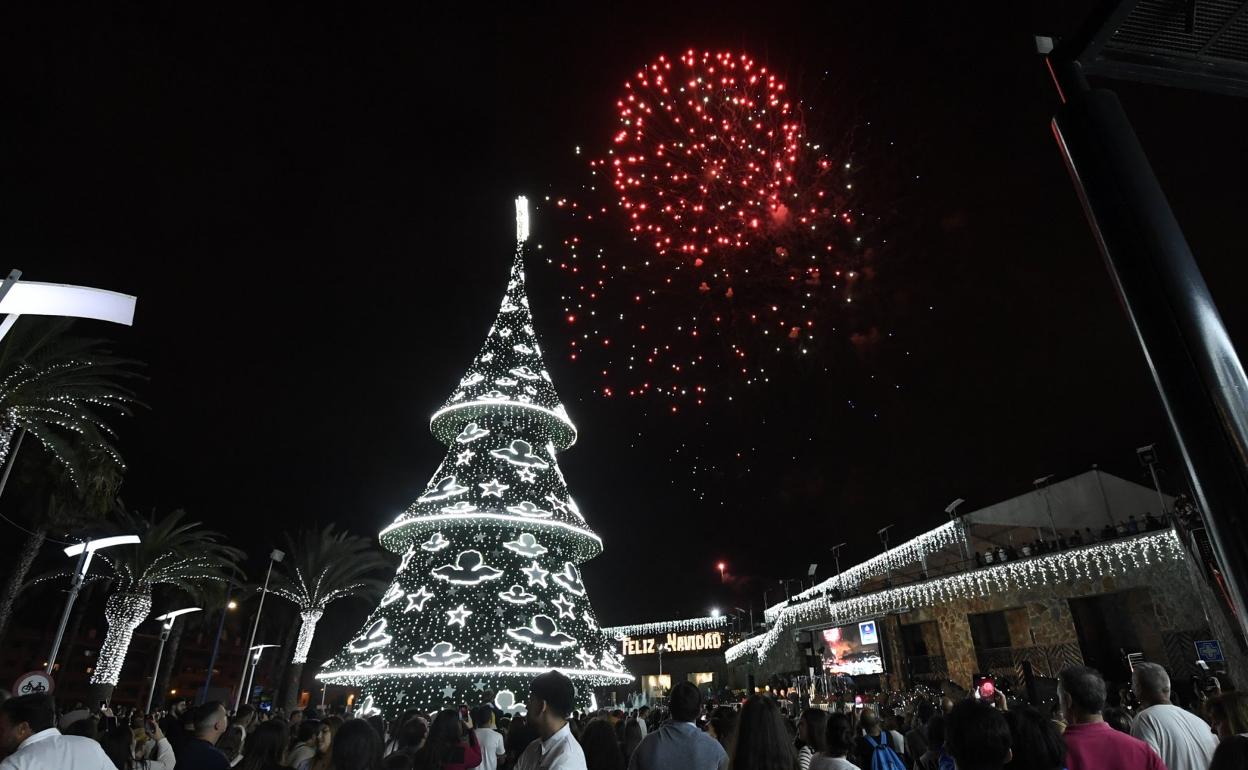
[[18, 298], [715, 612], [167, 626]]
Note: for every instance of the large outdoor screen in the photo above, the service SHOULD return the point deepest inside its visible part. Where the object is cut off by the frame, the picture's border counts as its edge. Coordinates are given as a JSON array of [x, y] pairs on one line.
[[852, 649]]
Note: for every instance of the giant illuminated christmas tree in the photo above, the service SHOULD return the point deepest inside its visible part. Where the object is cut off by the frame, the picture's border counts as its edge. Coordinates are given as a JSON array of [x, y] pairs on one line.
[[488, 593]]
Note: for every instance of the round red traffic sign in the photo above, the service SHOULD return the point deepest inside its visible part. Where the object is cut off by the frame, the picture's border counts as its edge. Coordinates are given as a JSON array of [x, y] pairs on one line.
[[33, 682]]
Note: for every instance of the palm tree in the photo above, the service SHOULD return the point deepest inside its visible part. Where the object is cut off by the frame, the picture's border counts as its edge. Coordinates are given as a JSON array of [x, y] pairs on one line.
[[324, 566], [57, 504], [174, 552], [54, 387]]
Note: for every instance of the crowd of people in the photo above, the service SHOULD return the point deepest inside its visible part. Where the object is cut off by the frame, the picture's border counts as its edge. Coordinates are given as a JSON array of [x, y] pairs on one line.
[[688, 733]]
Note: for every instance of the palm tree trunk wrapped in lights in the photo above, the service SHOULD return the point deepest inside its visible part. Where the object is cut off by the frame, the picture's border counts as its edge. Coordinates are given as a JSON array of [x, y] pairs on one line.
[[173, 552], [124, 613], [324, 566]]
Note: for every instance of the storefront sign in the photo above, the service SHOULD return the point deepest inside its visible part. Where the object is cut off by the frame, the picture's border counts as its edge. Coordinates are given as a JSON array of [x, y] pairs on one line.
[[702, 641]]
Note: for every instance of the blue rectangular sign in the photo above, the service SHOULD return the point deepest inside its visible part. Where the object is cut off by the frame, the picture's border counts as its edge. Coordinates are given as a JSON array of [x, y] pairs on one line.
[[1209, 650]]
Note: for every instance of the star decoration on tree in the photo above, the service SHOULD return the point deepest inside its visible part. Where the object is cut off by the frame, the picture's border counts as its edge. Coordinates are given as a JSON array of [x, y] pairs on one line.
[[535, 574], [493, 488], [448, 691], [458, 616], [506, 654], [586, 658], [556, 503], [465, 457], [526, 475], [478, 685], [589, 621], [416, 601], [564, 606]]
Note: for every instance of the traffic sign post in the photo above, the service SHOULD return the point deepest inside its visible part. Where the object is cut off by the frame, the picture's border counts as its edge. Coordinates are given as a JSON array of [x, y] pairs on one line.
[[33, 683]]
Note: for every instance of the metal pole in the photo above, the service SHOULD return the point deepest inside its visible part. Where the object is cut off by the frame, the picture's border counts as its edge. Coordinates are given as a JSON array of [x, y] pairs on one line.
[[216, 643], [160, 651], [238, 699], [8, 466], [79, 570], [1152, 468], [251, 675], [1195, 367]]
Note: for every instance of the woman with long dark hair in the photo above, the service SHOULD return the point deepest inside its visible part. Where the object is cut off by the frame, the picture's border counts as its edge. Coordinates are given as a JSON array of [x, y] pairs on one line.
[[445, 747], [357, 746], [304, 747], [265, 748], [1034, 740], [838, 742], [601, 747], [762, 742], [811, 731]]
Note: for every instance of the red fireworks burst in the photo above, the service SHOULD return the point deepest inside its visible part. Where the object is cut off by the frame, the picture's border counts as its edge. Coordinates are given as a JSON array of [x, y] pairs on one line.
[[711, 156]]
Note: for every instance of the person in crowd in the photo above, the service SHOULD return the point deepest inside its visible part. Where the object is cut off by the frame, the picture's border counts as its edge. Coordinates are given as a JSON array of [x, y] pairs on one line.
[[246, 719], [977, 736], [304, 746], [916, 736], [632, 738], [519, 735], [812, 729], [120, 746], [322, 744], [838, 742], [392, 745], [875, 738], [296, 716], [552, 697], [379, 725], [722, 726], [231, 744], [1117, 718], [324, 759], [1183, 739], [1091, 744], [1229, 714], [762, 742], [265, 748], [356, 747], [409, 739], [173, 723], [935, 758], [446, 748], [79, 711], [197, 751], [602, 749], [29, 739], [85, 728], [493, 750], [1034, 741], [678, 742], [643, 714], [1232, 754]]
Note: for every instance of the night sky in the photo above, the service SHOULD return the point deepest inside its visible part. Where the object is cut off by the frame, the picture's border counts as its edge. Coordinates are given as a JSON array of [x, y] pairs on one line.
[[315, 213]]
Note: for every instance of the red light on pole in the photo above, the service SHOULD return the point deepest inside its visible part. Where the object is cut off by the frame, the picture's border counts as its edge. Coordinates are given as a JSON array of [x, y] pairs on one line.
[[721, 566]]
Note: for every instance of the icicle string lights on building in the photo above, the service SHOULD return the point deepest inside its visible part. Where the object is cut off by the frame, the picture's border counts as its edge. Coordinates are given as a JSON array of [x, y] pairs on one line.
[[489, 591], [1114, 558]]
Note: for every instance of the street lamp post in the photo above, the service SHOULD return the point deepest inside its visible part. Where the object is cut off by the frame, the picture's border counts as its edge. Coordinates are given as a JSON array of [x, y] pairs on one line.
[[274, 558], [216, 643], [662, 648], [257, 651], [952, 510], [1041, 484], [836, 557], [165, 628], [84, 552]]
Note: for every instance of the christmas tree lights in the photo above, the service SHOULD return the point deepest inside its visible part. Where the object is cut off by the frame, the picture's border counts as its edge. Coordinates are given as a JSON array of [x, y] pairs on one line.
[[1118, 557], [488, 593]]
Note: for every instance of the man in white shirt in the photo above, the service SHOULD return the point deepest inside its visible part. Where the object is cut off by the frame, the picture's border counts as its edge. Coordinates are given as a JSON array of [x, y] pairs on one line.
[[643, 714], [492, 748], [551, 699], [1183, 740], [29, 739]]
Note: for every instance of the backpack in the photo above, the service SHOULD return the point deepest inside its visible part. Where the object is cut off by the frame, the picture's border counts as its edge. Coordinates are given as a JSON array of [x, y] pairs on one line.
[[882, 755]]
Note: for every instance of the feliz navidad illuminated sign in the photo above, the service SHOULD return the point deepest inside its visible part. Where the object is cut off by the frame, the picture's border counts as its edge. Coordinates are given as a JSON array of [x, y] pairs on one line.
[[702, 641]]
